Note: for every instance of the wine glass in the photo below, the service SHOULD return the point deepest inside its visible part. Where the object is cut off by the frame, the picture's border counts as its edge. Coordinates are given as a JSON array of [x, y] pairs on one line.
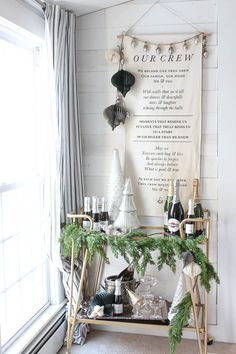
[[148, 282], [157, 304], [146, 309], [136, 310]]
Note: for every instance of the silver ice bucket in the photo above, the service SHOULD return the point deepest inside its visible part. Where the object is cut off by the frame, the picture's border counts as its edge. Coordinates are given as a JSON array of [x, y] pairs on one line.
[[110, 286]]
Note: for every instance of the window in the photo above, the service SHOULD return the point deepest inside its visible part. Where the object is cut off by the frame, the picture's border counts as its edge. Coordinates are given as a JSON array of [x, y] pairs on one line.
[[24, 265]]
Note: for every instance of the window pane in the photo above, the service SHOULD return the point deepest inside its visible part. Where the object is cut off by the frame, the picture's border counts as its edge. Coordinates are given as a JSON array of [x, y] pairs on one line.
[[23, 257]]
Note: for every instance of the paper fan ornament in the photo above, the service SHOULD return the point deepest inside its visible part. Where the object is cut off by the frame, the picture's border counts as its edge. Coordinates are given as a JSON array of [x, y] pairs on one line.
[[191, 269], [133, 297]]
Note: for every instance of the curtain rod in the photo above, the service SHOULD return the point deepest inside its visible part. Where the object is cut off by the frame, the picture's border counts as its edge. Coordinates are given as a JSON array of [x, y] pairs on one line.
[[38, 4]]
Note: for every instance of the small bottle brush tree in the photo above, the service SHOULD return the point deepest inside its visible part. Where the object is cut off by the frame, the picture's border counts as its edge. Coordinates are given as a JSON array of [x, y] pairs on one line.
[[127, 218]]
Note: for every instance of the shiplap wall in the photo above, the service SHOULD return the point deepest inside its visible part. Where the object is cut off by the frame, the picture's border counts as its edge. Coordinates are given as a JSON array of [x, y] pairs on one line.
[[95, 34]]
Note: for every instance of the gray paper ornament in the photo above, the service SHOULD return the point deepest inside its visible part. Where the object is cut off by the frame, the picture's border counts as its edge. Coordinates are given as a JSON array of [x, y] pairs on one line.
[[187, 258], [116, 113]]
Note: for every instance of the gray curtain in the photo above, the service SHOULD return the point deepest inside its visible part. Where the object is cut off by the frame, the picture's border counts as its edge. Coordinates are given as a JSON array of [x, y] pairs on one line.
[[61, 32]]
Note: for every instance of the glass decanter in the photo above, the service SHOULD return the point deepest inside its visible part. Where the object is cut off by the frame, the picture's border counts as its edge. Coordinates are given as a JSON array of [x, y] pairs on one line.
[[148, 281]]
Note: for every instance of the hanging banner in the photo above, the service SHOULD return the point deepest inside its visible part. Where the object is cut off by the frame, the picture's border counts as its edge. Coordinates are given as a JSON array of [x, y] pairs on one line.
[[163, 133]]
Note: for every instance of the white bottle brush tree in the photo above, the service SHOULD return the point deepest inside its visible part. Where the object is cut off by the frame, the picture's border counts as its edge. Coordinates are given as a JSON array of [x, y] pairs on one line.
[[115, 186], [127, 218]]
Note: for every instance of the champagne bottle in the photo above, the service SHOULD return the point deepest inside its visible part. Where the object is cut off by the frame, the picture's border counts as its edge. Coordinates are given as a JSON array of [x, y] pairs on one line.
[[167, 204], [197, 207], [87, 211], [118, 300], [176, 212], [95, 215], [190, 225], [127, 274], [104, 217]]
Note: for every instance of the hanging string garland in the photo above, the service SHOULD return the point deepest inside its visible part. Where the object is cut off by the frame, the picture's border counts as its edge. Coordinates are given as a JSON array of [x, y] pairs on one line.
[[178, 15], [170, 47]]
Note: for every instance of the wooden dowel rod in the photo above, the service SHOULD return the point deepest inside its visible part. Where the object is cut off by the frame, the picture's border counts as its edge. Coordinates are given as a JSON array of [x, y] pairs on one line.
[[206, 323], [190, 288], [120, 36]]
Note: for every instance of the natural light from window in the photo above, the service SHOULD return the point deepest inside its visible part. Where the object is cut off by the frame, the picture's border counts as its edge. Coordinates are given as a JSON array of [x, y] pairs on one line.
[[23, 262]]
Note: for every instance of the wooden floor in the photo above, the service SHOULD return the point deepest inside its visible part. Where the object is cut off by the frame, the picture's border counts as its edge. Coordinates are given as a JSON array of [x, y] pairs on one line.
[[99, 342]]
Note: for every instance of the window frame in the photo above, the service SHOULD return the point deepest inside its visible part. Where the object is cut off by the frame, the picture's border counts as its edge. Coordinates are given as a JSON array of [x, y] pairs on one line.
[[16, 35]]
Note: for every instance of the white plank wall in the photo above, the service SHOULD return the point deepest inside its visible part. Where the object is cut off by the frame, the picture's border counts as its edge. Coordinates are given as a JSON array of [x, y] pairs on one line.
[[96, 33]]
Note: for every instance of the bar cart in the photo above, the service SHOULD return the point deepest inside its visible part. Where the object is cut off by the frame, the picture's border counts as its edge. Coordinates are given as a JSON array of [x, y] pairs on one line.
[[200, 309]]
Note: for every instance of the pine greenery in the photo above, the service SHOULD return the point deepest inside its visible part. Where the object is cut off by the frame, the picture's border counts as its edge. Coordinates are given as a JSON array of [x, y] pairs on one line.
[[181, 318], [135, 244], [136, 247]]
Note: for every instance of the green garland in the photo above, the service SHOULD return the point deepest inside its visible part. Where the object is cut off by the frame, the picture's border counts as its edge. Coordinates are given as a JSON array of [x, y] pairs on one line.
[[182, 313], [131, 249], [136, 247]]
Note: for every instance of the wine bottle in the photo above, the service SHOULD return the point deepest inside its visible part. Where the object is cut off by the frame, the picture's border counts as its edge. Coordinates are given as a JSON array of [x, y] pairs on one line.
[[167, 204], [190, 225], [118, 300], [127, 274], [95, 215], [104, 217], [87, 211], [197, 207], [176, 212]]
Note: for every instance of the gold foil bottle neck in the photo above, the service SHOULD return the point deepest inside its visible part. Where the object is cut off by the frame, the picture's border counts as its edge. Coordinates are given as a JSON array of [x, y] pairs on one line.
[[196, 198], [170, 188]]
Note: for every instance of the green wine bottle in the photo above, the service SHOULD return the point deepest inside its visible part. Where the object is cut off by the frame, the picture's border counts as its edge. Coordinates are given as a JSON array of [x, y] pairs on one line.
[[168, 201], [190, 225], [197, 207]]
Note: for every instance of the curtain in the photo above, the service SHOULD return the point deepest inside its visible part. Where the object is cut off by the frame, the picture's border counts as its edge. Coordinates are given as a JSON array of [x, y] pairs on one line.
[[60, 38], [61, 35]]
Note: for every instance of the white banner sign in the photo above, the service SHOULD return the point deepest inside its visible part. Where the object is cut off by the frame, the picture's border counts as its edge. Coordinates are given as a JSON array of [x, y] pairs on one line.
[[163, 134]]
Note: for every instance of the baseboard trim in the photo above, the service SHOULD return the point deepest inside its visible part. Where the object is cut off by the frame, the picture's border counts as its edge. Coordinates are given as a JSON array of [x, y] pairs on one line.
[[38, 333], [42, 343]]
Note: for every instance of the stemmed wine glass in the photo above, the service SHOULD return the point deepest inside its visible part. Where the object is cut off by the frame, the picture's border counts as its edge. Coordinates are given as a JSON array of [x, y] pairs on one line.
[[157, 304], [136, 310]]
